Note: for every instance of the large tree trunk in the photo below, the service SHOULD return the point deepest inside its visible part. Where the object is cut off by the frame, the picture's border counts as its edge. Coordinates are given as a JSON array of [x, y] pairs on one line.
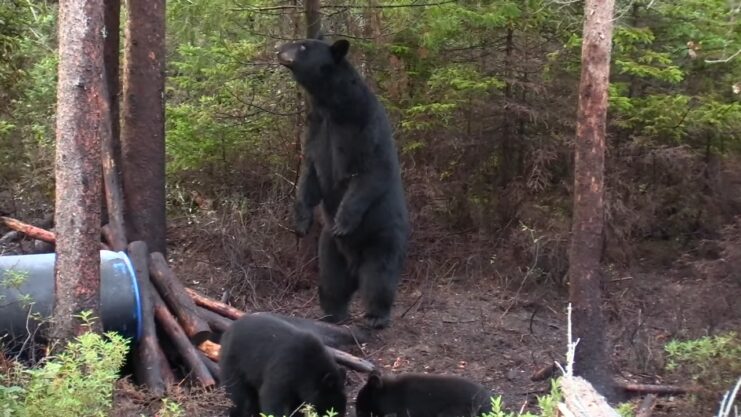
[[585, 291], [81, 99], [143, 128]]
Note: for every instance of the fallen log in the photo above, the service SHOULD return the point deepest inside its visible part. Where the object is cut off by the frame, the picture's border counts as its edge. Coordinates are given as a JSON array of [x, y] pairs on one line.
[[350, 361], [659, 389], [148, 368], [216, 322], [167, 374], [180, 340], [176, 297], [344, 358], [29, 230], [214, 305], [332, 335], [582, 400], [211, 350], [212, 366]]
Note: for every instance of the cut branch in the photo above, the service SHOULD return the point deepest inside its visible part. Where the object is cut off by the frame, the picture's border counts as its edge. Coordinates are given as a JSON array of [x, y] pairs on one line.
[[148, 360], [174, 293], [214, 305], [187, 351], [29, 230]]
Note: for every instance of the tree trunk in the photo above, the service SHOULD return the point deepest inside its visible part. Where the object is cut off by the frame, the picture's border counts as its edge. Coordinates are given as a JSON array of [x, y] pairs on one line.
[[313, 19], [113, 202], [143, 128], [80, 118], [585, 291], [111, 50]]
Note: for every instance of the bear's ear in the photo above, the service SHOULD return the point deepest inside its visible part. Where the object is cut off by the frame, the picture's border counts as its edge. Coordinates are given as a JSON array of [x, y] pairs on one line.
[[375, 380], [339, 49]]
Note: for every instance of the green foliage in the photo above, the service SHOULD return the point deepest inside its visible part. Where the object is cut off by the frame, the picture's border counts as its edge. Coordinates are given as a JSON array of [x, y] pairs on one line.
[[78, 382], [547, 405], [170, 408], [712, 361]]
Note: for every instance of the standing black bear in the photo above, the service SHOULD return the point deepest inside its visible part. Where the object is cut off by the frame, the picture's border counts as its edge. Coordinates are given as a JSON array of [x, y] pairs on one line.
[[351, 167], [269, 366], [421, 395]]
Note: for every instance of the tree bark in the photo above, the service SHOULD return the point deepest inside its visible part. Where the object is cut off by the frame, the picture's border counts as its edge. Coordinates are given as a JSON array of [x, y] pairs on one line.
[[585, 291], [80, 90], [148, 361], [143, 128]]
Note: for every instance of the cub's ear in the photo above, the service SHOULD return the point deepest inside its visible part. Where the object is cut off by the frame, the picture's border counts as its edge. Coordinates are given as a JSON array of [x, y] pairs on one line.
[[339, 49], [375, 380]]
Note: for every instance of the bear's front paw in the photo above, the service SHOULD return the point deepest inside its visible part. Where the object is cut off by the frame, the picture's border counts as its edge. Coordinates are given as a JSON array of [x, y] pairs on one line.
[[303, 218], [344, 224]]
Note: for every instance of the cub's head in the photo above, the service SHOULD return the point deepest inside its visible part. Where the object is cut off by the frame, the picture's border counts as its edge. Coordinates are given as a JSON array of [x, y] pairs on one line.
[[331, 394], [312, 61], [370, 397]]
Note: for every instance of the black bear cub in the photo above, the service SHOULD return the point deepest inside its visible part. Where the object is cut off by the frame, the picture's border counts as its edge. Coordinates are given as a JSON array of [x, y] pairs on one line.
[[269, 366], [421, 395], [351, 167]]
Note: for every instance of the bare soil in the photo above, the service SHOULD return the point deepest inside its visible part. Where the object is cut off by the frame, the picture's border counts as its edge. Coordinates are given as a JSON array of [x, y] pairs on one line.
[[500, 335], [480, 316]]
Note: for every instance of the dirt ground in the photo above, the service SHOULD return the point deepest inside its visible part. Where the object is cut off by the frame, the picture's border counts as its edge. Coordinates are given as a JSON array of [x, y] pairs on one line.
[[500, 335], [481, 325]]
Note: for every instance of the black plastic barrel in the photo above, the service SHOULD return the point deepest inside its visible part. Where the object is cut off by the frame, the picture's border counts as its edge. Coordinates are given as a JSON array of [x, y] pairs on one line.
[[27, 291]]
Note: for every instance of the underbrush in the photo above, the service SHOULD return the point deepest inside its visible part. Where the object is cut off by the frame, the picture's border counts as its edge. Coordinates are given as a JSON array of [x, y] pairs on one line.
[[713, 362], [78, 382]]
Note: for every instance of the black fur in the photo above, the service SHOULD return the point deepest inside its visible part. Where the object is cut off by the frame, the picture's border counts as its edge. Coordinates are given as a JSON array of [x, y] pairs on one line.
[[421, 395], [269, 366], [351, 167]]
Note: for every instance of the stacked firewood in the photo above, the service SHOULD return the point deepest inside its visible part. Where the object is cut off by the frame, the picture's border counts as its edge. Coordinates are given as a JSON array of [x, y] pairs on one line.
[[188, 322]]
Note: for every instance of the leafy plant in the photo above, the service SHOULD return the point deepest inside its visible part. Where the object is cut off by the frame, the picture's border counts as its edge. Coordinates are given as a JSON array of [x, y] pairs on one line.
[[78, 382], [713, 361]]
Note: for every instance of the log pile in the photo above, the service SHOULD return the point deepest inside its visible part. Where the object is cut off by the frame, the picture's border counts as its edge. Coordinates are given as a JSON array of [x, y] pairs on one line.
[[177, 322], [182, 320]]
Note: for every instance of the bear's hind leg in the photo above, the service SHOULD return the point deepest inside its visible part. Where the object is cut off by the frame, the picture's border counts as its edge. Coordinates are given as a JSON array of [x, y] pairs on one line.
[[336, 283], [379, 272]]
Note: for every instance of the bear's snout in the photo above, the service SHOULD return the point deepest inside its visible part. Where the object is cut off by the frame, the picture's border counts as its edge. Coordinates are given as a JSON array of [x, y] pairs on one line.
[[286, 56]]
